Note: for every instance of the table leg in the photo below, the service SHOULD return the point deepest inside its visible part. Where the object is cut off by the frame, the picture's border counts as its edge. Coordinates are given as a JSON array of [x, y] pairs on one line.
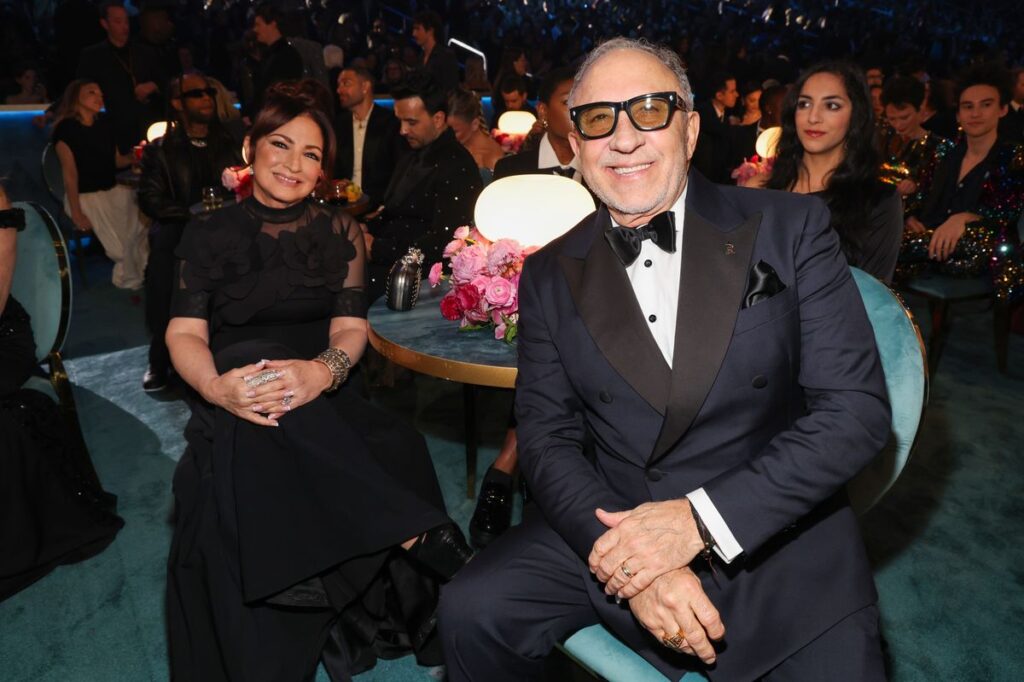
[[469, 395]]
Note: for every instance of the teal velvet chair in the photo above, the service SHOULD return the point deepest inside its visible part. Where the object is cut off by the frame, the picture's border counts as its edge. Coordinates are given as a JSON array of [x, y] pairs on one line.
[[906, 378], [42, 284], [53, 178], [941, 291]]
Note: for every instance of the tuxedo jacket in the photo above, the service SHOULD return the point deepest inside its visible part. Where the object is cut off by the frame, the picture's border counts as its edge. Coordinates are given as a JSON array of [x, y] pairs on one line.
[[382, 150], [770, 405], [524, 163], [713, 154]]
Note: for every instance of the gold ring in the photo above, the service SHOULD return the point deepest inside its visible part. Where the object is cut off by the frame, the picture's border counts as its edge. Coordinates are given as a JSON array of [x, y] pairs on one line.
[[626, 572], [675, 642]]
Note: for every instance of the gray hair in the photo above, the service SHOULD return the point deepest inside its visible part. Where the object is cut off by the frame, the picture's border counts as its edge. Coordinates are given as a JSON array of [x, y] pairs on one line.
[[663, 54]]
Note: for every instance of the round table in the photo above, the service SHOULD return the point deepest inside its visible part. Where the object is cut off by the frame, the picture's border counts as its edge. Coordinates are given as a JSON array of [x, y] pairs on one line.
[[423, 341]]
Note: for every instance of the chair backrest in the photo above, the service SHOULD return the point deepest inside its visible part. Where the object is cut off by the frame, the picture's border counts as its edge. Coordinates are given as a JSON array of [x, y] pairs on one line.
[[905, 363], [53, 175], [42, 279]]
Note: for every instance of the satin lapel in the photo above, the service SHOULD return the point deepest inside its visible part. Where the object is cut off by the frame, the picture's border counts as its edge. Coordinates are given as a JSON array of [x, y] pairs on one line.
[[715, 267], [605, 300]]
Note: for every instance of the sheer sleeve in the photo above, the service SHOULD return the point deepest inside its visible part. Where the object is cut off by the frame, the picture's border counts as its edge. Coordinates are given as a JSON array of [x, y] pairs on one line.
[[351, 300], [191, 297]]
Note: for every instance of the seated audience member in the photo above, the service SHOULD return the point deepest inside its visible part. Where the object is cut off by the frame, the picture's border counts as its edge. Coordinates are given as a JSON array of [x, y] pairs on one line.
[[437, 60], [513, 62], [751, 101], [369, 146], [976, 194], [713, 156], [828, 149], [1011, 126], [475, 77], [552, 152], [30, 89], [513, 93], [328, 537], [938, 114], [84, 140], [466, 119], [910, 149], [394, 74], [175, 170], [432, 190], [765, 105], [279, 61], [50, 513]]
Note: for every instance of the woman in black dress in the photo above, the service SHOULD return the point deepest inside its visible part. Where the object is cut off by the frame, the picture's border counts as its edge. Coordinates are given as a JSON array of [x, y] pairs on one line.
[[307, 522], [52, 509], [827, 149]]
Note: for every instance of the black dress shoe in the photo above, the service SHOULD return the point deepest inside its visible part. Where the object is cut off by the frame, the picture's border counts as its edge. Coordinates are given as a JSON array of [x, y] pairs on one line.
[[154, 380], [493, 513], [443, 550]]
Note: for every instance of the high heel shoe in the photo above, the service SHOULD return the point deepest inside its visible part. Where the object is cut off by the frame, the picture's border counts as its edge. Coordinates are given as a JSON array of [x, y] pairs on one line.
[[443, 550]]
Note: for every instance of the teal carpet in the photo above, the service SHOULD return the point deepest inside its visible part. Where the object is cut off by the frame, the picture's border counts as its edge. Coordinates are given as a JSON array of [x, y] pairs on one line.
[[946, 541]]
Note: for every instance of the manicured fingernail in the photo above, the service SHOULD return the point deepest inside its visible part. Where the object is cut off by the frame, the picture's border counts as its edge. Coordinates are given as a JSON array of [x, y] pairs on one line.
[[618, 601], [263, 362], [256, 408], [250, 394], [287, 407], [289, 394]]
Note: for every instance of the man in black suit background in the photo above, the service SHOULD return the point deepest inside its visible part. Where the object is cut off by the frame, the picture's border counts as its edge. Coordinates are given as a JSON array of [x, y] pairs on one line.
[[280, 61], [438, 61], [120, 67], [369, 144], [433, 188], [713, 156], [697, 382]]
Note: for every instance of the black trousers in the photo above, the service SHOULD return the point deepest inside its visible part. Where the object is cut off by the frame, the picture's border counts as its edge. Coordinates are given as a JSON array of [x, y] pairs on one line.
[[505, 611], [161, 281]]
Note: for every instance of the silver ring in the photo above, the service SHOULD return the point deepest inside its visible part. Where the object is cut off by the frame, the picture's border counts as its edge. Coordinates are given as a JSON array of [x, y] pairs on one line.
[[264, 377], [626, 572], [287, 400]]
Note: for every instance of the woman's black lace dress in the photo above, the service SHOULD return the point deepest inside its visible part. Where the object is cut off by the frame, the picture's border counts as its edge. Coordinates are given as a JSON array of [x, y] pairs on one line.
[[285, 538]]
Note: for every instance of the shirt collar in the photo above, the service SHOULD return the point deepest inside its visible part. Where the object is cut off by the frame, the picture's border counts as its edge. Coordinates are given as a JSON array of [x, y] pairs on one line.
[[546, 157], [679, 209]]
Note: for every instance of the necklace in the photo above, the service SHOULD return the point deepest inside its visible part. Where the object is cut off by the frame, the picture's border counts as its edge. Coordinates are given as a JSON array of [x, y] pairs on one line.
[[199, 142]]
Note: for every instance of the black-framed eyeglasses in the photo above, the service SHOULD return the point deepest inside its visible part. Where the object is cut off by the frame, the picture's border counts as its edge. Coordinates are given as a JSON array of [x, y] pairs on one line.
[[196, 93], [647, 113]]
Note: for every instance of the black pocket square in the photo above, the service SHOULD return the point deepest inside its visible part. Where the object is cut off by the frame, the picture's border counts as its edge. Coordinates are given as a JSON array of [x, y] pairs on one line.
[[762, 284]]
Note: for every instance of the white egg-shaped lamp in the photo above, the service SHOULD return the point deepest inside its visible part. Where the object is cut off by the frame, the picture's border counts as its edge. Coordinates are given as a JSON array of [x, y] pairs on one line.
[[156, 131], [531, 209], [516, 122], [768, 142]]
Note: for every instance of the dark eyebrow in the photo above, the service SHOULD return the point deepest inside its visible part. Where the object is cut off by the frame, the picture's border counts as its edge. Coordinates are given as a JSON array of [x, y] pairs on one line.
[[291, 141]]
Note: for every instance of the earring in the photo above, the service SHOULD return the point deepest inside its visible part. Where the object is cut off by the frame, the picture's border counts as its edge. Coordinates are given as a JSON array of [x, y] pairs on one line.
[[544, 122]]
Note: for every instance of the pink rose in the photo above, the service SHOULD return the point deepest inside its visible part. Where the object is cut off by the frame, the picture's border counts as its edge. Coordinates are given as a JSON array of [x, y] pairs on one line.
[[461, 232], [499, 332], [468, 263], [453, 247], [450, 308], [481, 282], [229, 179], [499, 292], [476, 236], [436, 274], [505, 257]]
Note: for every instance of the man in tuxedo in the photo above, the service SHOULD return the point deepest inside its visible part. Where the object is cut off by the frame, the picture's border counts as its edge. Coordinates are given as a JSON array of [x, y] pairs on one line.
[[369, 145], [697, 382], [438, 61], [280, 61], [713, 154], [433, 188]]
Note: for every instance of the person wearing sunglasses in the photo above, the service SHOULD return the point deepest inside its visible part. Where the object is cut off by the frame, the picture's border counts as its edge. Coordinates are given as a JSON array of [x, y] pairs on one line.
[[175, 169], [697, 382]]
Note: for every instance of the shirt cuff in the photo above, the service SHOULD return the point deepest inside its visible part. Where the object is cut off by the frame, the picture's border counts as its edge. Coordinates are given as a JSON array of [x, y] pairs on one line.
[[726, 546]]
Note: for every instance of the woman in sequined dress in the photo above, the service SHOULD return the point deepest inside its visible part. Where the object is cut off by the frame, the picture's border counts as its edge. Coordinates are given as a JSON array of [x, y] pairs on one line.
[[827, 148], [967, 223], [911, 153]]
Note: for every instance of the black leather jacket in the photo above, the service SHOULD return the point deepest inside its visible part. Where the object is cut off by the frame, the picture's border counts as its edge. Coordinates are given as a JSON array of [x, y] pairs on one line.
[[174, 172]]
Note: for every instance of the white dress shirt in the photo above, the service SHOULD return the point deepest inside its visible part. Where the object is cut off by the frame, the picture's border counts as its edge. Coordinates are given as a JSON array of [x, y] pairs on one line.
[[358, 141], [546, 158], [655, 278]]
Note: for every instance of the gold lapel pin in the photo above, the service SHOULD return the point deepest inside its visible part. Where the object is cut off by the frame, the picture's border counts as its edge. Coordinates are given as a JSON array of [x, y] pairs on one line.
[[730, 249]]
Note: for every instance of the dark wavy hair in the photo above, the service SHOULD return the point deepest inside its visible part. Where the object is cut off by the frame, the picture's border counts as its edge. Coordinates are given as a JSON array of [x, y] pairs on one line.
[[287, 101], [852, 188]]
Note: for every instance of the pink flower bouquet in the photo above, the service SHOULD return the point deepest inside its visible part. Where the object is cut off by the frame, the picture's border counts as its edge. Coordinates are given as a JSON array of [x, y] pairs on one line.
[[754, 167], [510, 143], [238, 179], [484, 281]]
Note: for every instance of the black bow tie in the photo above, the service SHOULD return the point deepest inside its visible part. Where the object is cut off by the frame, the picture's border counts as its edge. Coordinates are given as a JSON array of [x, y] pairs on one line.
[[626, 241], [564, 172]]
